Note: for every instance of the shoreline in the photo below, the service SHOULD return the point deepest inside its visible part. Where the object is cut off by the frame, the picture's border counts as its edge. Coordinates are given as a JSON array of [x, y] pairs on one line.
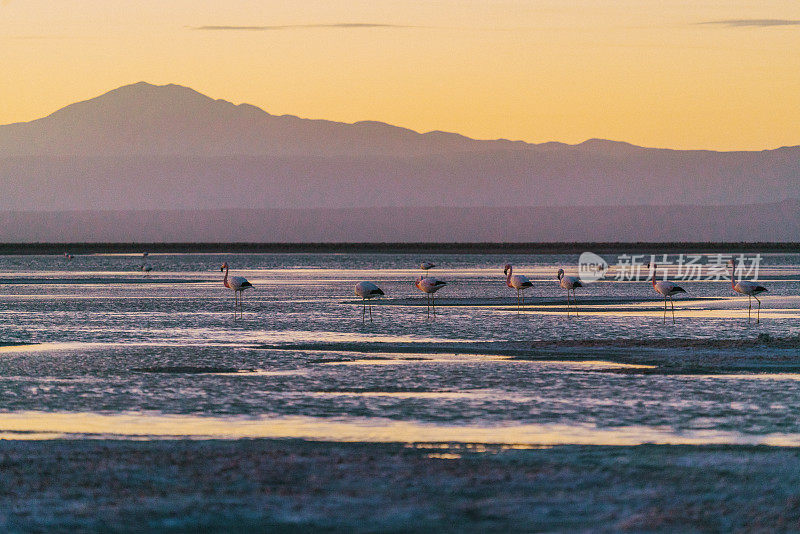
[[399, 248]]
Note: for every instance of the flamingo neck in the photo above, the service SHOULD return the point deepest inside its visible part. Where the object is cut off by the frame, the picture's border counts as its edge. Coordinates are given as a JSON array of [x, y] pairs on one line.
[[733, 280], [654, 275], [508, 277], [225, 280]]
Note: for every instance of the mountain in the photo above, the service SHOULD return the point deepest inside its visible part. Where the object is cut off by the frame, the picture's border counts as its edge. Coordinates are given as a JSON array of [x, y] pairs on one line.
[[147, 147], [171, 120]]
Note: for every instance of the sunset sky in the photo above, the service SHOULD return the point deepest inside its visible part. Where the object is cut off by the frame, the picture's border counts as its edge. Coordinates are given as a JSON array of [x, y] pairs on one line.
[[721, 74]]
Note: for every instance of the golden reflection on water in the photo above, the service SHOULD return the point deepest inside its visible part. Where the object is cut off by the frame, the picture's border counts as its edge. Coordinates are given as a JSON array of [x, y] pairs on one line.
[[23, 425], [680, 312], [40, 347], [462, 358], [753, 376]]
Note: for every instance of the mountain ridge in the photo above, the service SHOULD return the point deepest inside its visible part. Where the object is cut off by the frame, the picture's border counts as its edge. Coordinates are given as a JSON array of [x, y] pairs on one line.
[[145, 89], [202, 125], [151, 147]]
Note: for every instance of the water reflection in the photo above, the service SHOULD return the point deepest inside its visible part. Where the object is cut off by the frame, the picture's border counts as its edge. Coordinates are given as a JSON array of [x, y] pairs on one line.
[[300, 363]]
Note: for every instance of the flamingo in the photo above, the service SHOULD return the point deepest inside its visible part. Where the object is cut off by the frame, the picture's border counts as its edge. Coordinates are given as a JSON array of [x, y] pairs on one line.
[[237, 283], [429, 286], [749, 288], [146, 267], [367, 290], [67, 255], [426, 265], [569, 283], [667, 289], [516, 281]]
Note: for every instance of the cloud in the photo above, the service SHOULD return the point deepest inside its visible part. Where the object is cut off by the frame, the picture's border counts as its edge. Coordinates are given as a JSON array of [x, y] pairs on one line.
[[299, 26], [753, 23]]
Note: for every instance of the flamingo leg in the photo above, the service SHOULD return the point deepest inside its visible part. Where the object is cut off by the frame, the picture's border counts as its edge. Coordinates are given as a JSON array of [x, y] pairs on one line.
[[568, 303], [517, 300], [758, 319], [673, 309], [370, 312], [575, 300], [749, 306], [433, 304], [665, 309]]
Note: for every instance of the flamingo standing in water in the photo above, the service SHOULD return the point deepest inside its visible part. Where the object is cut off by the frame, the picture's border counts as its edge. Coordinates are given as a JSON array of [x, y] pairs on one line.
[[516, 281], [569, 283], [429, 286], [667, 289], [237, 283], [751, 289], [146, 267], [425, 266], [367, 290]]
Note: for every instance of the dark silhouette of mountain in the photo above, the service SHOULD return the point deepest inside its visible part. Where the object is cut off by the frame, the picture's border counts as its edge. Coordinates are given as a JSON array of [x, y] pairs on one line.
[[144, 119], [146, 147]]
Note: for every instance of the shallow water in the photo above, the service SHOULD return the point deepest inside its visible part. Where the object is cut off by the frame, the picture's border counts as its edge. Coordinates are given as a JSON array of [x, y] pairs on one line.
[[163, 354]]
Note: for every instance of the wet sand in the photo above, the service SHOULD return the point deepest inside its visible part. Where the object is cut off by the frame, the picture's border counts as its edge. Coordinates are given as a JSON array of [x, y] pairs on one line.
[[292, 485]]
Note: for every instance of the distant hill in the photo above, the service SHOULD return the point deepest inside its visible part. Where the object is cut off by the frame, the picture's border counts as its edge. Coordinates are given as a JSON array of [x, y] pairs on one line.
[[171, 120], [146, 147]]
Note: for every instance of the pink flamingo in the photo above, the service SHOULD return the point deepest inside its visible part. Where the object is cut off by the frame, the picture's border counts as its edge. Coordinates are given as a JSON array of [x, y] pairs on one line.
[[237, 283], [569, 283], [751, 289], [367, 290], [667, 289], [429, 286], [516, 281]]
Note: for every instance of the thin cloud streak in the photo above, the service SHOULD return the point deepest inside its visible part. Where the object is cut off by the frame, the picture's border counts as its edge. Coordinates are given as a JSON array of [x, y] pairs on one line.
[[753, 23], [350, 25]]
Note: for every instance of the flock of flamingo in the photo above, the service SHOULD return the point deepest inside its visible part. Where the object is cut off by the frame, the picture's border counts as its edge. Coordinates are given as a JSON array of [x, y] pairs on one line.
[[430, 285]]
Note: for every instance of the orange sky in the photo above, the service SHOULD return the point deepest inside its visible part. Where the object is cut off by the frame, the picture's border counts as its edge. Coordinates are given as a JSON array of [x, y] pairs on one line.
[[645, 71]]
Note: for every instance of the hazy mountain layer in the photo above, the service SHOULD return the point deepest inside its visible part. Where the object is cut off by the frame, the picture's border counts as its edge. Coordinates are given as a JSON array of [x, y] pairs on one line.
[[169, 147], [766, 222]]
